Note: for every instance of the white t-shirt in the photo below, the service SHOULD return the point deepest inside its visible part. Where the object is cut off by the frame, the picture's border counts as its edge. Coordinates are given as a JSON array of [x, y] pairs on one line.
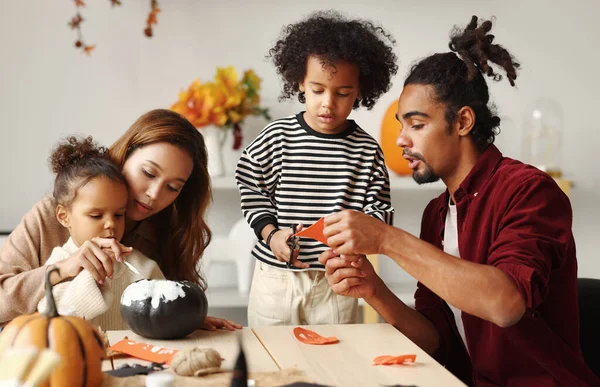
[[451, 247]]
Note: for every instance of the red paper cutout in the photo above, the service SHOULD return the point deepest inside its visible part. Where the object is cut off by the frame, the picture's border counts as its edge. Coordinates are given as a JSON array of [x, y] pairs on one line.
[[149, 352], [309, 337], [393, 360], [315, 231]]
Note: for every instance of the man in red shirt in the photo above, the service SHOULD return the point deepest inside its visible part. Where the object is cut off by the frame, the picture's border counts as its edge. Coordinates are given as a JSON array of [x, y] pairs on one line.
[[496, 301]]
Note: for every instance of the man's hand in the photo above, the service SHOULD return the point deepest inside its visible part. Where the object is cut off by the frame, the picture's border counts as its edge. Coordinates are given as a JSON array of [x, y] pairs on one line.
[[353, 232], [351, 276]]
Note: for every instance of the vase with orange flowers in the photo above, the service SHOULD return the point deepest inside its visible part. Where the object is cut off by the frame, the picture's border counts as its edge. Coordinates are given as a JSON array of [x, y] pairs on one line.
[[219, 107]]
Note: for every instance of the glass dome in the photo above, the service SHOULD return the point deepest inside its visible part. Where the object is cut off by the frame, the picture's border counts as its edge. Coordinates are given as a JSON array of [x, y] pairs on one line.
[[542, 131]]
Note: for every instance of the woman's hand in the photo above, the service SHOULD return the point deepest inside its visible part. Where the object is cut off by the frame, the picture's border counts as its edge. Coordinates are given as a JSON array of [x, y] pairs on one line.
[[282, 251], [96, 256], [214, 323]]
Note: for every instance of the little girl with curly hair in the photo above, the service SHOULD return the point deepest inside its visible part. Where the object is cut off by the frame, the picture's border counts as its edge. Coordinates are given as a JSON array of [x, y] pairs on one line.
[[91, 196], [308, 165]]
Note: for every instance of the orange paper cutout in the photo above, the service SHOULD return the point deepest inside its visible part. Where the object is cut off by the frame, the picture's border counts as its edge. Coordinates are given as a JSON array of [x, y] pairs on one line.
[[315, 231], [309, 337], [392, 360], [149, 352]]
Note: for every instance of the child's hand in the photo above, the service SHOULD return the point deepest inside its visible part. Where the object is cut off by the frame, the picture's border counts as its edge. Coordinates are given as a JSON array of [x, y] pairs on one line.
[[93, 256], [281, 250], [114, 248]]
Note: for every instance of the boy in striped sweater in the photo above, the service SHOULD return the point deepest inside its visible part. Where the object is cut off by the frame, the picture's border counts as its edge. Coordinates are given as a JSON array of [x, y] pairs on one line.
[[306, 166]]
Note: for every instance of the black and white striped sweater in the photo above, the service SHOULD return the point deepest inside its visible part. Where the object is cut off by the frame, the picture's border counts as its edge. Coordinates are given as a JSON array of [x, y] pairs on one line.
[[293, 174]]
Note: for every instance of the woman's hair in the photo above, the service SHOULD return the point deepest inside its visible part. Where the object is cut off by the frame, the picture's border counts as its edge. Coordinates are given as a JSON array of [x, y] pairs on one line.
[[458, 80], [76, 162], [183, 231], [333, 38]]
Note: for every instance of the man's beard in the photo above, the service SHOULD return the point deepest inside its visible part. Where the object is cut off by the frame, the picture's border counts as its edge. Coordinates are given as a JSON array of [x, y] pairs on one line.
[[426, 175]]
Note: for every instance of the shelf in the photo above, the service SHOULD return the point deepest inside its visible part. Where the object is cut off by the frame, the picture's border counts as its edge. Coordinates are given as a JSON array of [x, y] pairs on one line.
[[226, 297], [396, 183], [223, 182], [229, 297]]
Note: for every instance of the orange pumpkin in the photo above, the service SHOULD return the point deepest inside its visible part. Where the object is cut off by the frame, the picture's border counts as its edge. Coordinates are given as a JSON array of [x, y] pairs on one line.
[[76, 341], [390, 130]]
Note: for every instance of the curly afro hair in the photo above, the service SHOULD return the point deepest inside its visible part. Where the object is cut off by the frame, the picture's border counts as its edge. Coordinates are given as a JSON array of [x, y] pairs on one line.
[[75, 162], [459, 81], [333, 38]]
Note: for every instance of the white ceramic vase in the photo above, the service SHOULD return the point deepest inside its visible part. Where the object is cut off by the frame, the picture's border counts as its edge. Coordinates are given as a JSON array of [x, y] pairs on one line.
[[214, 138]]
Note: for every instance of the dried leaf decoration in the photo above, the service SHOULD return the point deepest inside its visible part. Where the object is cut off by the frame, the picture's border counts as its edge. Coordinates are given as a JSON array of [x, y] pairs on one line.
[[75, 23], [152, 18]]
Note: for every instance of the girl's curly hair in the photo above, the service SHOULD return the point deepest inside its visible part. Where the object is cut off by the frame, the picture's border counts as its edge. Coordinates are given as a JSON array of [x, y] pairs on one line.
[[333, 38], [75, 162], [458, 80]]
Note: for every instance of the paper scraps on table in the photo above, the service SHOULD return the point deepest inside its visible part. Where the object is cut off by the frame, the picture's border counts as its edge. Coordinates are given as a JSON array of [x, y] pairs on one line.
[[143, 351], [394, 360], [315, 231], [307, 336]]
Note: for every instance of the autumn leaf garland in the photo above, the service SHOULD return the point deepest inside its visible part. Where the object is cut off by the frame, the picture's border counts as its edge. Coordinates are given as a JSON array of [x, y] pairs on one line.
[[75, 23]]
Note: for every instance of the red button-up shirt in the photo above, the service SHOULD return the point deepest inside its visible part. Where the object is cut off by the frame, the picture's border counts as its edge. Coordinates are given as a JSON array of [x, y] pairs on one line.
[[514, 217]]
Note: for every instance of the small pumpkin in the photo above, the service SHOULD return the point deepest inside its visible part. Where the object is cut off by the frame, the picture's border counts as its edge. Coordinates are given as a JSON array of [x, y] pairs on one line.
[[162, 309], [78, 343], [390, 130]]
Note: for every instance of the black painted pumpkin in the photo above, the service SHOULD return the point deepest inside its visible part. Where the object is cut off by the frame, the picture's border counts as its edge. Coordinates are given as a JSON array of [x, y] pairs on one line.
[[162, 309]]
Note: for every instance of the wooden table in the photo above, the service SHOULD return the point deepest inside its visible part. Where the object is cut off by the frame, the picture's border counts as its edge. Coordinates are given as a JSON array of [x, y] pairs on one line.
[[347, 363], [226, 342]]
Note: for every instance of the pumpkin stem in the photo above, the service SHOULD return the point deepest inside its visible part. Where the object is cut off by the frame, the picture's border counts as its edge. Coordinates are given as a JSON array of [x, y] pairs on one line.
[[52, 311]]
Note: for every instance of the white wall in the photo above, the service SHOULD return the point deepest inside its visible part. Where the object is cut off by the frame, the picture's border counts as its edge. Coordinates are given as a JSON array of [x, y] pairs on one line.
[[48, 89]]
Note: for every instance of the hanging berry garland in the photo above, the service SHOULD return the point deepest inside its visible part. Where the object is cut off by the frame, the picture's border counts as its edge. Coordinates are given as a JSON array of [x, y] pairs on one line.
[[75, 23], [152, 18]]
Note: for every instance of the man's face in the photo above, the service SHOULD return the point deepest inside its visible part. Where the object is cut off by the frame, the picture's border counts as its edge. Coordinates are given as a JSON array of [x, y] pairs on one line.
[[426, 138]]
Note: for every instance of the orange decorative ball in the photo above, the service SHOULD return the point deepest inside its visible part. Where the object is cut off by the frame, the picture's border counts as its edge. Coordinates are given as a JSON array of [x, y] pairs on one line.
[[74, 339], [390, 129]]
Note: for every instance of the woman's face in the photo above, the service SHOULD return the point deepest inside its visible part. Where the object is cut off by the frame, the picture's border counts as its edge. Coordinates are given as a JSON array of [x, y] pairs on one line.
[[156, 174]]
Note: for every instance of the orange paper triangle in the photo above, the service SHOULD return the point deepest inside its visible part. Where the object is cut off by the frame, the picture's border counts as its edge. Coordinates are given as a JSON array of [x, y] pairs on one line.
[[149, 352], [315, 231]]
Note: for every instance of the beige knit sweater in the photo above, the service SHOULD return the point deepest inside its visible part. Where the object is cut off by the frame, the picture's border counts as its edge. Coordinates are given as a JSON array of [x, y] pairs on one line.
[[27, 248], [83, 297]]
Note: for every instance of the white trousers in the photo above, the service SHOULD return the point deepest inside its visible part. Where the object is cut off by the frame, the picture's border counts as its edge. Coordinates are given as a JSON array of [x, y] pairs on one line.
[[286, 297]]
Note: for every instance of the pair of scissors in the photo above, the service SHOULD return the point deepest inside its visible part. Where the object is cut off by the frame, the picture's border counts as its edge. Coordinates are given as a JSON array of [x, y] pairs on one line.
[[293, 244]]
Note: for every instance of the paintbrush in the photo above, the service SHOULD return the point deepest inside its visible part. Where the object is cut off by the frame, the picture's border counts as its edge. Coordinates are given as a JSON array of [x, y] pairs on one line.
[[132, 268]]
